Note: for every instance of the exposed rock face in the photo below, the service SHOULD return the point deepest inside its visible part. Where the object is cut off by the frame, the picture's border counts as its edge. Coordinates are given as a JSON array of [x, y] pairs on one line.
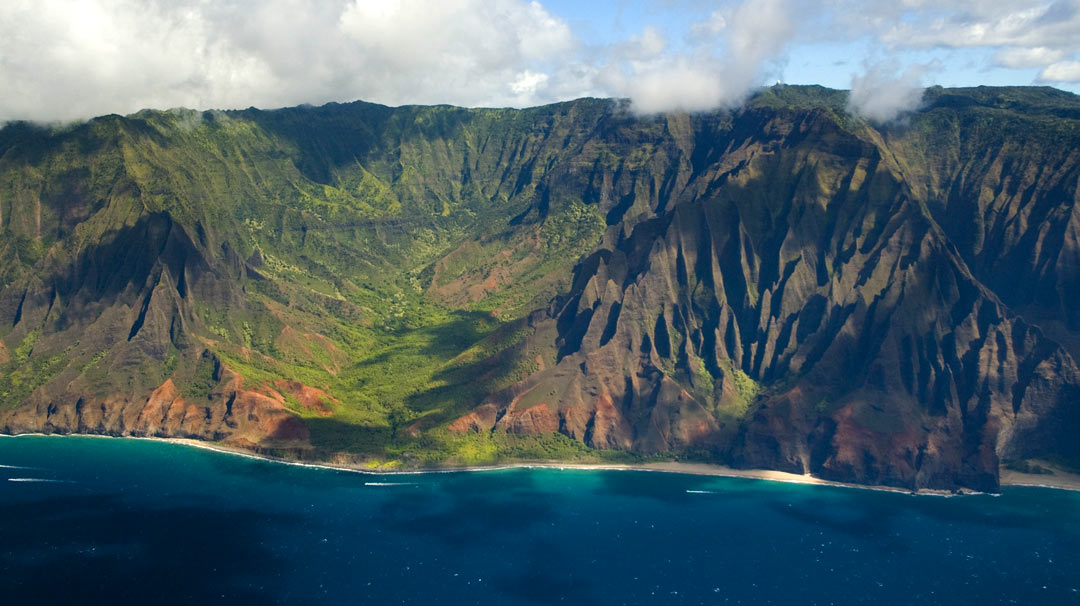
[[240, 417], [136, 309], [780, 286], [310, 398], [480, 420], [535, 419], [804, 260]]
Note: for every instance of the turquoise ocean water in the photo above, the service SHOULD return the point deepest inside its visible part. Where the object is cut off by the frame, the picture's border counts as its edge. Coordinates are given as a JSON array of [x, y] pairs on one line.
[[86, 520]]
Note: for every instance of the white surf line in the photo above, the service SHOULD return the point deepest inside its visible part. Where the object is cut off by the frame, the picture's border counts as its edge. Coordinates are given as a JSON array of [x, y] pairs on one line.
[[389, 483], [40, 480], [700, 492], [511, 466], [1024, 485], [14, 467]]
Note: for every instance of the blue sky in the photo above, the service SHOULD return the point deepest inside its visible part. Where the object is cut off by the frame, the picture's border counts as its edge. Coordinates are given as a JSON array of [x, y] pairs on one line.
[[831, 63], [73, 59]]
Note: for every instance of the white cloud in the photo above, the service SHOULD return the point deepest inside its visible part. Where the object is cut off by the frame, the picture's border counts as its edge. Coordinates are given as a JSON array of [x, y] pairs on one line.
[[1011, 34], [884, 93], [1023, 58], [1029, 33], [759, 32], [675, 84], [65, 59], [646, 45], [713, 26], [1062, 71], [68, 59], [958, 23], [730, 54], [527, 82]]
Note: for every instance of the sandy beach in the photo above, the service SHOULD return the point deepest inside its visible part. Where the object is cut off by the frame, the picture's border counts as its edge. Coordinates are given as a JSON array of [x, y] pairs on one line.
[[1058, 479], [1072, 482]]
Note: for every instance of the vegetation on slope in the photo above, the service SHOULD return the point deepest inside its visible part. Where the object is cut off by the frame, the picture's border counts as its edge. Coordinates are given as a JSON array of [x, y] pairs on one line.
[[380, 273]]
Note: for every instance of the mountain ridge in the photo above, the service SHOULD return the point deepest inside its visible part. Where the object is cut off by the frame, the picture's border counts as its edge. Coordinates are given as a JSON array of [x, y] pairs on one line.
[[781, 285]]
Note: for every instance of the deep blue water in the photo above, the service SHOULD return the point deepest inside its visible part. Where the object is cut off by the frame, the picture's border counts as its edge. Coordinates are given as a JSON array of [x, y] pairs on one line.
[[138, 521]]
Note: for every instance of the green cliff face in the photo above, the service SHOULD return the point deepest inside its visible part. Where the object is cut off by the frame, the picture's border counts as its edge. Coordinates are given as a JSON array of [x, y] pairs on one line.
[[783, 285]]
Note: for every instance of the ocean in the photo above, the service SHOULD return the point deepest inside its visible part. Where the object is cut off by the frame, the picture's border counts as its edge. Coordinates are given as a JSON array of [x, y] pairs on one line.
[[92, 520]]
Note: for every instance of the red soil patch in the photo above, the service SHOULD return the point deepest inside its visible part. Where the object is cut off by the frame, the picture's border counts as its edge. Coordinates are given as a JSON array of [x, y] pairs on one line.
[[480, 420], [310, 398]]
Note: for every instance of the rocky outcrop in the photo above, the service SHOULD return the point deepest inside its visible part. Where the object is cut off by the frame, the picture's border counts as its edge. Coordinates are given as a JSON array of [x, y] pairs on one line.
[[480, 420], [122, 312], [781, 285], [236, 416], [796, 305], [310, 398]]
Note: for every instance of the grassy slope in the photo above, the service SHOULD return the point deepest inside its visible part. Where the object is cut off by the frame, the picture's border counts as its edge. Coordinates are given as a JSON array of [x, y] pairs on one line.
[[397, 250], [343, 239]]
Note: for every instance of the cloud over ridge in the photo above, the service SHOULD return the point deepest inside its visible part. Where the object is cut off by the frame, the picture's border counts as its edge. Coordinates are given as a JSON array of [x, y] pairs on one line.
[[884, 92], [73, 59]]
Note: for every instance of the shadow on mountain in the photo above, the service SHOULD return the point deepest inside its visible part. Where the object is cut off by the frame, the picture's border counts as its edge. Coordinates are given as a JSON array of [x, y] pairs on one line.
[[330, 435]]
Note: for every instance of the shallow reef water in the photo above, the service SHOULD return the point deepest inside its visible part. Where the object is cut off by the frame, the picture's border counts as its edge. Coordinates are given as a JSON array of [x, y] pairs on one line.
[[85, 520]]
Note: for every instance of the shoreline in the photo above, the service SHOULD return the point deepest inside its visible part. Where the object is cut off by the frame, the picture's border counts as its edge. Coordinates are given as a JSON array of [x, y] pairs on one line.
[[1058, 479]]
